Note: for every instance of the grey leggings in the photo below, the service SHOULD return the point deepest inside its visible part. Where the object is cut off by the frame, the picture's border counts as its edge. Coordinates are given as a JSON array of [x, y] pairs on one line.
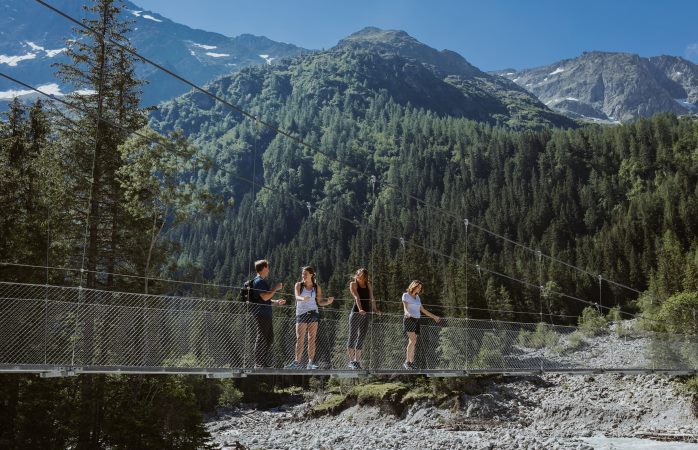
[[358, 328]]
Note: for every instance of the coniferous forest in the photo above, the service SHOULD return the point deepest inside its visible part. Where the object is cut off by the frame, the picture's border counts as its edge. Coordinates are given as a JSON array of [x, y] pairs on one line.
[[194, 191]]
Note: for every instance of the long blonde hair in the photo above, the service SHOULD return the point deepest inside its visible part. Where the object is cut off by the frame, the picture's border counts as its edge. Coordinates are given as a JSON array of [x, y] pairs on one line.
[[413, 286], [362, 271]]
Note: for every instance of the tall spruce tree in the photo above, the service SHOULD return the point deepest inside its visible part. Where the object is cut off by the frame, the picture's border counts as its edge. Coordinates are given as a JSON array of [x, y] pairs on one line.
[[106, 102]]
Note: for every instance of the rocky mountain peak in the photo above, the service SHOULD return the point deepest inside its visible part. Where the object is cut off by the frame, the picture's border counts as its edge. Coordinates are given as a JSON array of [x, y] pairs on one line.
[[400, 43], [613, 86]]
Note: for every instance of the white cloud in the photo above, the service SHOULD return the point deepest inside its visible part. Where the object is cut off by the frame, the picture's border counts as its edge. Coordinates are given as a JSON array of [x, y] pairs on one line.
[[267, 58], [692, 51]]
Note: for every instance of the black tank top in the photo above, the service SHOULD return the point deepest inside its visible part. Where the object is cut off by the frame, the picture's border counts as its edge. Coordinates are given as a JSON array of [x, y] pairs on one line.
[[364, 297]]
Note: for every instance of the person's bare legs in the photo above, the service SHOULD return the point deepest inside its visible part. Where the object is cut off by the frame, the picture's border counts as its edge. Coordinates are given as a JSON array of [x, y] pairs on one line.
[[411, 345], [301, 330], [312, 335]]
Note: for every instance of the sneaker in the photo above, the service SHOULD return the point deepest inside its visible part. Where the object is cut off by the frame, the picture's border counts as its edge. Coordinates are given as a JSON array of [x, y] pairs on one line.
[[293, 365], [312, 366], [352, 365], [357, 365], [408, 366]]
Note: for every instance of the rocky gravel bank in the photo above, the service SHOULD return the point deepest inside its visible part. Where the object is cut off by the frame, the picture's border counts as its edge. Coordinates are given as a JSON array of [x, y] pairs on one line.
[[536, 412]]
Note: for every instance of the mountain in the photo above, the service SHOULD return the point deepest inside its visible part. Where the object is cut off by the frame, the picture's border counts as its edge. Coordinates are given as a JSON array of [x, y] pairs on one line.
[[379, 101], [613, 87], [370, 63], [448, 83], [33, 37]]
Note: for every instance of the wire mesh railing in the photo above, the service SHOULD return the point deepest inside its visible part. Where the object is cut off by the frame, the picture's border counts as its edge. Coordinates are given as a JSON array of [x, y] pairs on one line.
[[46, 328]]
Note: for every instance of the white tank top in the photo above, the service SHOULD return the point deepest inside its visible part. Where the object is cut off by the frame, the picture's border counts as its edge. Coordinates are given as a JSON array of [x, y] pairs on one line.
[[303, 307]]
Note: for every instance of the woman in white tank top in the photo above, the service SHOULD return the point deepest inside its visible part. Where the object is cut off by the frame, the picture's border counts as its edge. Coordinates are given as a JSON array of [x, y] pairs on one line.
[[308, 298]]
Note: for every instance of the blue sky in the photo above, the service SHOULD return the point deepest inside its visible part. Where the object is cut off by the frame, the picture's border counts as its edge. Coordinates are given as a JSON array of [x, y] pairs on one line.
[[492, 34]]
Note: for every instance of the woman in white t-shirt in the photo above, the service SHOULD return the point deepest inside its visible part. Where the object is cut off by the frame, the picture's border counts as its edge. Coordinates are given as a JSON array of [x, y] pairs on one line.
[[412, 305]]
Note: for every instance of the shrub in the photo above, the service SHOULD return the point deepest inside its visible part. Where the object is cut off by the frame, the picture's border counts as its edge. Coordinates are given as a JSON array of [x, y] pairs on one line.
[[592, 322], [650, 307], [230, 396], [575, 340], [491, 352], [614, 315], [679, 313], [544, 336]]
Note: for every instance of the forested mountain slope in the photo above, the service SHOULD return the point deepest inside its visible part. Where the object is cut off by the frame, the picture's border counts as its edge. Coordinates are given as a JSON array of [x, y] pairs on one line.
[[609, 200]]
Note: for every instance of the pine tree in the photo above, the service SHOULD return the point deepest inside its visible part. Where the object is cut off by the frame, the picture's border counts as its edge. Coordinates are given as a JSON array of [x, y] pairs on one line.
[[105, 111]]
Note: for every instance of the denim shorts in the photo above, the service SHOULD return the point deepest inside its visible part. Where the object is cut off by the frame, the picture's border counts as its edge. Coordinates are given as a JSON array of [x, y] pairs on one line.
[[308, 317]]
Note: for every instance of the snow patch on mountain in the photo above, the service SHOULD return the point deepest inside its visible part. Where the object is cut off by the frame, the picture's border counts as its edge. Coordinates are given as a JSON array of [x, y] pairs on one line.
[[49, 53], [216, 55], [556, 71], [204, 46], [12, 61], [686, 104], [52, 53], [149, 17], [50, 89], [267, 58], [33, 46]]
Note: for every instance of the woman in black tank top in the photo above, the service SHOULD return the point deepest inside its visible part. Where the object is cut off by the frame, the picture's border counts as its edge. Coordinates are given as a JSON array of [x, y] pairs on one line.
[[364, 303]]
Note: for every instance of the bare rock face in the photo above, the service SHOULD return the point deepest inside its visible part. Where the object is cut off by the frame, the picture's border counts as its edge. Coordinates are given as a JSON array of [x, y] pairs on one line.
[[613, 87]]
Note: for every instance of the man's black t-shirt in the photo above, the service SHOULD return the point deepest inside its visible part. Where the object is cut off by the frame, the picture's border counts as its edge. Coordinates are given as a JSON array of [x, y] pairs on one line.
[[261, 307]]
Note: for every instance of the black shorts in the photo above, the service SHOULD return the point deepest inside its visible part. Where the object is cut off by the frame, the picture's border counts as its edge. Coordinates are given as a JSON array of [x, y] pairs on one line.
[[308, 317], [410, 325]]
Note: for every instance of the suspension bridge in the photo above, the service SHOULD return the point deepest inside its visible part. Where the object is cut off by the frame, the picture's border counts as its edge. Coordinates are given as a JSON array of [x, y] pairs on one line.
[[69, 330], [59, 331]]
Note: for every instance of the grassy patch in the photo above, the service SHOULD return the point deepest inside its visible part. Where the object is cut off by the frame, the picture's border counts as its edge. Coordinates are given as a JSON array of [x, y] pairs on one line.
[[331, 405], [374, 393], [575, 341]]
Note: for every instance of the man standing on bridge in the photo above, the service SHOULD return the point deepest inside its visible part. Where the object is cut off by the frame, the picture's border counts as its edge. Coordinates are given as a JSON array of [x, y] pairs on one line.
[[261, 310]]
